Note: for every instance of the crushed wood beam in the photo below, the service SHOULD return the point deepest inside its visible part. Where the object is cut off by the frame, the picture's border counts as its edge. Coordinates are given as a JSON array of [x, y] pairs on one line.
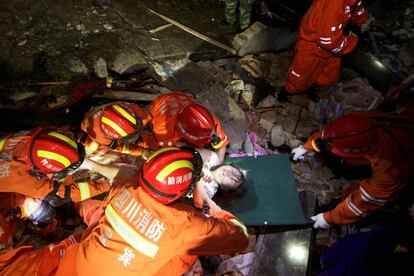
[[160, 28], [195, 33], [127, 95]]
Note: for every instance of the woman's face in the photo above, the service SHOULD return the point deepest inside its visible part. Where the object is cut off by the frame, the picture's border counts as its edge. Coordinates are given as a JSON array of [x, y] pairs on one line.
[[228, 177]]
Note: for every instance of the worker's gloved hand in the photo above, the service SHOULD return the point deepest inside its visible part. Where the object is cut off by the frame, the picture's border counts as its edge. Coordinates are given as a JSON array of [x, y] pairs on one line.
[[320, 222], [365, 27], [42, 215], [299, 153]]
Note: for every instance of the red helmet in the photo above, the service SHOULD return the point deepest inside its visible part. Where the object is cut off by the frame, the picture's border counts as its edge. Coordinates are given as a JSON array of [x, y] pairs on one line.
[[7, 227], [351, 135], [196, 125], [118, 120], [168, 174], [53, 150]]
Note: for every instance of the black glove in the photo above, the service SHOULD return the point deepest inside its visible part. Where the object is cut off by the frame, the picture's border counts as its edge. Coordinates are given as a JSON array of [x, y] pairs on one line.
[[43, 215]]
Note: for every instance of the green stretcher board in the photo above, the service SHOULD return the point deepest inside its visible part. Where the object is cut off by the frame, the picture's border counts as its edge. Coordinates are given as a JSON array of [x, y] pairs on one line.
[[271, 197]]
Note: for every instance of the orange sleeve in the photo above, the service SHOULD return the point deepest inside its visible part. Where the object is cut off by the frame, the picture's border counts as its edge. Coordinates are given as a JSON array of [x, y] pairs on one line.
[[329, 31], [91, 125], [15, 178], [129, 149], [388, 177], [310, 143], [205, 233], [360, 15], [83, 190], [224, 139], [11, 200]]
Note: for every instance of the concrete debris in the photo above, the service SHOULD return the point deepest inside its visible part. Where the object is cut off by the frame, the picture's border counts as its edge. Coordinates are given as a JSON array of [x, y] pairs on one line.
[[259, 38], [128, 61], [277, 136], [75, 65], [100, 68], [269, 101]]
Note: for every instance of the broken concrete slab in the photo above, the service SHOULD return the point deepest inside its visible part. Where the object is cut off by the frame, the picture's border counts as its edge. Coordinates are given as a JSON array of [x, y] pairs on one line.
[[231, 116], [259, 38], [128, 61], [190, 78]]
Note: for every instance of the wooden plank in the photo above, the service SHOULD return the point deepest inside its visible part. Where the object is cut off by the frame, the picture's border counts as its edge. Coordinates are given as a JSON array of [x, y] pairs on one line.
[[127, 95]]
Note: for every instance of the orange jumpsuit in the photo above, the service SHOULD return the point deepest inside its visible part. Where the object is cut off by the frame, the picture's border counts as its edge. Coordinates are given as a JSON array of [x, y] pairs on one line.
[[139, 235], [15, 176], [164, 111], [391, 165], [27, 260], [98, 143], [321, 42]]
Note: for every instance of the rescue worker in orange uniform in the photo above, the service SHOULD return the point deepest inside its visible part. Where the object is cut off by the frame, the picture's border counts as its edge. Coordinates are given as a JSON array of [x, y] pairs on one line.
[[147, 230], [321, 43], [178, 118], [381, 140], [38, 164], [122, 127], [27, 260]]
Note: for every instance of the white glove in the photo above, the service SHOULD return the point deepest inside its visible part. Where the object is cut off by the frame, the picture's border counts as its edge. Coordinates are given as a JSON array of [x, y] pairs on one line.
[[320, 222], [299, 152], [366, 25]]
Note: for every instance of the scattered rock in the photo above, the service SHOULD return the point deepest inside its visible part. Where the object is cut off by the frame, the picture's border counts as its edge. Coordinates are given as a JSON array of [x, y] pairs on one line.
[[75, 65], [128, 61], [100, 68]]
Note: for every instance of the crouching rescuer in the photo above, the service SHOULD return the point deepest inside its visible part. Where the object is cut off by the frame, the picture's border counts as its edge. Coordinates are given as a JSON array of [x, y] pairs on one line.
[[147, 229]]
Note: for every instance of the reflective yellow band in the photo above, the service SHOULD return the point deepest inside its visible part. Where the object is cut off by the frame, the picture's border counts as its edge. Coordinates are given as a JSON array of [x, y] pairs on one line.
[[54, 156], [113, 125], [64, 138], [161, 150], [172, 167], [125, 114], [314, 146], [91, 148], [238, 223], [217, 146], [129, 234], [125, 148], [2, 143], [85, 193]]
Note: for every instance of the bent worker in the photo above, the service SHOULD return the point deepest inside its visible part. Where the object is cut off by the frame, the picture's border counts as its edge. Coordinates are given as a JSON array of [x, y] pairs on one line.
[[121, 126], [39, 163], [322, 41], [147, 230], [380, 140], [178, 119]]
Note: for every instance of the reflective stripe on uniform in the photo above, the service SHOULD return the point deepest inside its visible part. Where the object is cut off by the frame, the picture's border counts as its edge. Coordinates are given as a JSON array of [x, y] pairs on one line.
[[85, 193], [368, 198], [129, 234], [241, 225], [218, 145], [113, 125], [314, 146], [54, 156], [354, 209], [172, 167], [295, 74], [91, 148], [125, 149], [2, 143], [125, 114], [63, 138]]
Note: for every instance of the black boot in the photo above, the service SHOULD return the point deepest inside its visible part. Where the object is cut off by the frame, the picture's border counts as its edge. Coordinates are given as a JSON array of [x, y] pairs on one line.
[[282, 96]]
